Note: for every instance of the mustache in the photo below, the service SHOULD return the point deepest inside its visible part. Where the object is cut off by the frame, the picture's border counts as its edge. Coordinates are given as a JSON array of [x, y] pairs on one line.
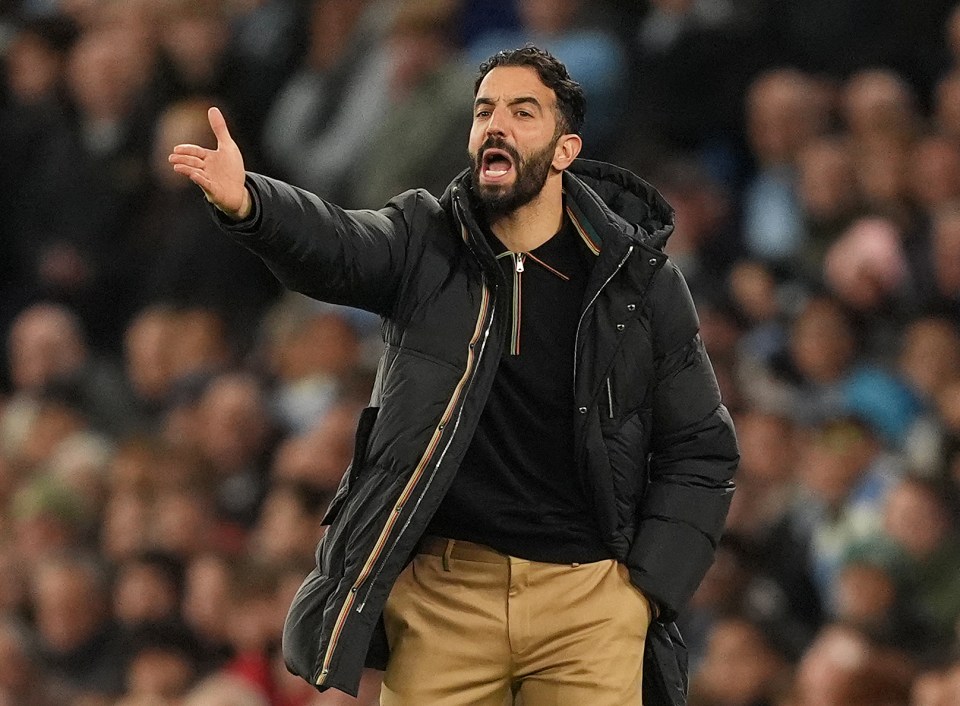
[[500, 144]]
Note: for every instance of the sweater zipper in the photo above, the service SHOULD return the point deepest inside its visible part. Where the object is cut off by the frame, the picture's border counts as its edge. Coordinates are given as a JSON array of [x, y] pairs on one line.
[[481, 333], [516, 303], [519, 266], [518, 258]]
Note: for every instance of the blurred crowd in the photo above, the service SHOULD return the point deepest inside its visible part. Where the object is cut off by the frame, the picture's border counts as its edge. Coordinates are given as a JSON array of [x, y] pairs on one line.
[[172, 424]]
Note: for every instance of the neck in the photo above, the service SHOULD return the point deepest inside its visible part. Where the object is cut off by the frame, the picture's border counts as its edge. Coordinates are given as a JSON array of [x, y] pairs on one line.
[[533, 224]]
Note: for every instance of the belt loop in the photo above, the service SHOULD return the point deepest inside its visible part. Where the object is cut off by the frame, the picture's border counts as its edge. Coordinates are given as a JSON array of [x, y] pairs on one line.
[[447, 553]]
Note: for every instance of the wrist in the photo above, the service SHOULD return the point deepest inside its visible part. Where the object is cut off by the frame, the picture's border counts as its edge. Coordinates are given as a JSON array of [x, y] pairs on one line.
[[242, 213]]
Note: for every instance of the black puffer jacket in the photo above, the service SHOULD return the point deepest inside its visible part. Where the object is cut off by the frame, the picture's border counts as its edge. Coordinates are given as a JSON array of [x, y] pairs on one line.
[[655, 449]]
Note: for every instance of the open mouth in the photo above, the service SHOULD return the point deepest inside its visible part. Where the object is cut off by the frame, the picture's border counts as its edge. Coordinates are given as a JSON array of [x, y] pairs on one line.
[[496, 165]]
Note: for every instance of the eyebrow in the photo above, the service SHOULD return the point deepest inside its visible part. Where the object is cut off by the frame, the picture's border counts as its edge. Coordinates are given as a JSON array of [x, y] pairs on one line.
[[514, 101]]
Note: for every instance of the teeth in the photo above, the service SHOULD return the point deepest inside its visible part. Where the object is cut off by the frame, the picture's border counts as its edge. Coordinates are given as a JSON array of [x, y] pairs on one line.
[[497, 172]]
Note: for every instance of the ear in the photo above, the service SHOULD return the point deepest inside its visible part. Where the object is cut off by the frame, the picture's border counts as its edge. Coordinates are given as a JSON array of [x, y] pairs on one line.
[[567, 149]]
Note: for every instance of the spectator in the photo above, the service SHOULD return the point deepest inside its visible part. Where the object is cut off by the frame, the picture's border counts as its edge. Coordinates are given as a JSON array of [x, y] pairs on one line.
[[163, 662], [784, 111], [743, 667], [148, 588], [845, 479], [80, 645], [920, 517], [829, 197], [21, 677], [309, 352], [206, 604], [589, 52], [419, 139], [319, 123], [844, 667], [47, 347]]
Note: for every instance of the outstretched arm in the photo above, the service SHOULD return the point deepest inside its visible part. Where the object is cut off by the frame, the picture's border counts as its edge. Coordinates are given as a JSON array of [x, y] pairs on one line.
[[218, 172]]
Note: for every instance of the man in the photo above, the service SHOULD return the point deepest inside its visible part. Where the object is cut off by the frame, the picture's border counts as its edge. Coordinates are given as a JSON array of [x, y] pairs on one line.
[[545, 463]]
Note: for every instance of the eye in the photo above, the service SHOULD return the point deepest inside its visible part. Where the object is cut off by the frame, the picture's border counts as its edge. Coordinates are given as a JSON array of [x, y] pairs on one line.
[[482, 114], [524, 114]]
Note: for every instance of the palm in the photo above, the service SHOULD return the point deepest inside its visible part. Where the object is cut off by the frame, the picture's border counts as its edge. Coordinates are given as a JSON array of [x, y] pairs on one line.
[[218, 172]]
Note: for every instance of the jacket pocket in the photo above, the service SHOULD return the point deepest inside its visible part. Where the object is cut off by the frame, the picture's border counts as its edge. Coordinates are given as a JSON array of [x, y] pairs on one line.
[[364, 428]]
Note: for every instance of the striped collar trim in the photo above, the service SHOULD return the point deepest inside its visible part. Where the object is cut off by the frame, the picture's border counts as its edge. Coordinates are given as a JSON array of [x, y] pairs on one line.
[[583, 227]]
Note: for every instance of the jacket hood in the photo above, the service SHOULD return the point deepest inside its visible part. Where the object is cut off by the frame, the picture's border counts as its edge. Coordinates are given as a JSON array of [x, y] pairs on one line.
[[607, 197], [607, 194]]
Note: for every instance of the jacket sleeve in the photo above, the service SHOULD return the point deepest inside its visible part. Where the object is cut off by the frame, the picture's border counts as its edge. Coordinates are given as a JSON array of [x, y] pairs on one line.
[[693, 456], [314, 247]]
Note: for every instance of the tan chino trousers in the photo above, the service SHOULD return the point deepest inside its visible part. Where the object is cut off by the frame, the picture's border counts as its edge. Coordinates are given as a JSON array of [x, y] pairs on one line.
[[469, 626]]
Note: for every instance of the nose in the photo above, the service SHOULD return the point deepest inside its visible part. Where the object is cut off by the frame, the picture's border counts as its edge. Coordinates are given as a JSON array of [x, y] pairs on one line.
[[495, 124]]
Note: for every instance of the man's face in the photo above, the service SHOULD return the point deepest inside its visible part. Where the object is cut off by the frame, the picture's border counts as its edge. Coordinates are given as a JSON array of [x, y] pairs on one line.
[[513, 140]]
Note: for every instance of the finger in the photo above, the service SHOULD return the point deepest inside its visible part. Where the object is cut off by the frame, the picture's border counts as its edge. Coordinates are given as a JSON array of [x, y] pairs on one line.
[[192, 150], [187, 160], [219, 126], [191, 172]]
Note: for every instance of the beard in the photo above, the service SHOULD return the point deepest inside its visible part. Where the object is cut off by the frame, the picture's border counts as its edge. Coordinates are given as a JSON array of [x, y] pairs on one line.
[[531, 174]]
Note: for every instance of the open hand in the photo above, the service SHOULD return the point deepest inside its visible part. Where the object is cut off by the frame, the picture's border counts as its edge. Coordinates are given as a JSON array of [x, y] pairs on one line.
[[218, 172]]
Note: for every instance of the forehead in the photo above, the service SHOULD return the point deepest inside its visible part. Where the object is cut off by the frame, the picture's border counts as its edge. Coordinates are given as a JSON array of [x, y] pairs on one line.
[[508, 82]]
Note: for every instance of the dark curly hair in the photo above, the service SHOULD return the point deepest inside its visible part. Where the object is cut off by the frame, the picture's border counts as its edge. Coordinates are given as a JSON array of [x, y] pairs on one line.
[[571, 103]]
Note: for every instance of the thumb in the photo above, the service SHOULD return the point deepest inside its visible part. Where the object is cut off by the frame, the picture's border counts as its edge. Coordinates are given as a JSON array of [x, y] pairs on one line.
[[219, 126]]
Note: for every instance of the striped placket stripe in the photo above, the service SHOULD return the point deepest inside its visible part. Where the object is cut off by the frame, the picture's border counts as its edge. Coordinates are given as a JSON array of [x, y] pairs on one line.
[[409, 487], [592, 243]]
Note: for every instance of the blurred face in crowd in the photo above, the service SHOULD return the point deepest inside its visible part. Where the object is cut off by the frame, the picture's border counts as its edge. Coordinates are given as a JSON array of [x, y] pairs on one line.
[[548, 16], [739, 667], [916, 518], [878, 105], [946, 252], [32, 69], [320, 456], [205, 600], [828, 187], [935, 171], [821, 342], [160, 674], [947, 105], [233, 421], [144, 593], [286, 530], [865, 595], [194, 35], [515, 140], [833, 460], [783, 114], [182, 521], [125, 527], [866, 265], [323, 344], [882, 171], [766, 447], [99, 76], [45, 344], [147, 344], [17, 670], [931, 355], [70, 604]]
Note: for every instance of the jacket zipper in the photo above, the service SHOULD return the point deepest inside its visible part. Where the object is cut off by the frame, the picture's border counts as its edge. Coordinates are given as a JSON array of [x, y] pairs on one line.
[[576, 338], [480, 334], [609, 398], [433, 473]]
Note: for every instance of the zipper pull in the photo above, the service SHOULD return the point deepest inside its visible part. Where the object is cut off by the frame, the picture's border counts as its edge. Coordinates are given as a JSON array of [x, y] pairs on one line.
[[519, 256]]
